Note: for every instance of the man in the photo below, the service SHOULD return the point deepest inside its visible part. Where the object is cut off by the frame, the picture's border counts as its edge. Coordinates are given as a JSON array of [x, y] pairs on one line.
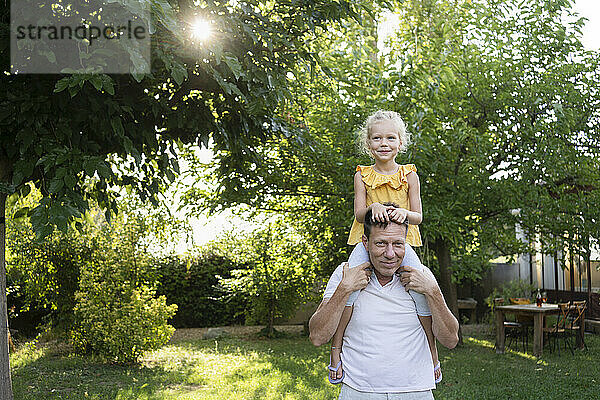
[[385, 350]]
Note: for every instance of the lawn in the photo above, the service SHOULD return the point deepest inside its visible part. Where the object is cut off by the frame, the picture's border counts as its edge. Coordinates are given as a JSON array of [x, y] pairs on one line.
[[248, 367]]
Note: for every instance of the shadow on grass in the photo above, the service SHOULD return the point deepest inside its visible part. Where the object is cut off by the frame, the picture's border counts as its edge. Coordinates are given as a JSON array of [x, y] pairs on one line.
[[475, 371], [225, 368], [277, 368], [58, 375], [292, 368]]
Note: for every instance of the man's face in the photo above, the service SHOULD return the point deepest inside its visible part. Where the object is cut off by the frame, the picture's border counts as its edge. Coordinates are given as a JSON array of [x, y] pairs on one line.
[[386, 248]]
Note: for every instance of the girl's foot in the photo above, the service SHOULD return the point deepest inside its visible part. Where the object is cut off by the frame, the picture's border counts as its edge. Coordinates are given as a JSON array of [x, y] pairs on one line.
[[336, 372], [437, 371]]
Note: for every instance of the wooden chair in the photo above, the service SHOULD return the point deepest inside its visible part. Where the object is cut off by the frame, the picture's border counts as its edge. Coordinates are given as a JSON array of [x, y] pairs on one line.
[[512, 329], [576, 318], [526, 321], [560, 330]]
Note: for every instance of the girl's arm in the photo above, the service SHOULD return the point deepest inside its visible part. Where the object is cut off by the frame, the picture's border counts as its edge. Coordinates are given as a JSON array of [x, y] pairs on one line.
[[360, 202], [414, 215]]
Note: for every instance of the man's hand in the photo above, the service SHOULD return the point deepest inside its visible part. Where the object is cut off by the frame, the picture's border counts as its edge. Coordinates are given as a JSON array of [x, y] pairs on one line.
[[420, 281], [356, 278]]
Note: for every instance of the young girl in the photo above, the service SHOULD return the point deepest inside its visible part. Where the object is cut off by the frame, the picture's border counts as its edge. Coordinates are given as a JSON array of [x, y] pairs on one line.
[[383, 136]]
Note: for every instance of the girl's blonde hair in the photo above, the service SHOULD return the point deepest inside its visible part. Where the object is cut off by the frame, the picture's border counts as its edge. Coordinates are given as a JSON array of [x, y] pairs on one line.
[[379, 116]]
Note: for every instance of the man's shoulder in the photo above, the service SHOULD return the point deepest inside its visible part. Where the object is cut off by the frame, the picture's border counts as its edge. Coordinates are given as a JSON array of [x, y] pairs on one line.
[[334, 281], [411, 259], [339, 270]]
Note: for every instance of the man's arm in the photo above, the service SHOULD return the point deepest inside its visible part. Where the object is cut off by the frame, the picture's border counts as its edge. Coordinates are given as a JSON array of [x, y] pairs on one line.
[[444, 324], [325, 320]]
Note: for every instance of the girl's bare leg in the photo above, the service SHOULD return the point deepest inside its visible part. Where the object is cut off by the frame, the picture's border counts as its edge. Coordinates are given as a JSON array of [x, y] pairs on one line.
[[336, 342], [426, 323]]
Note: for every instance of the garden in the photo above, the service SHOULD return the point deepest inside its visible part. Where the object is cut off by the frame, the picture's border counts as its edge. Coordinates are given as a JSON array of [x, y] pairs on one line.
[[112, 270], [246, 366]]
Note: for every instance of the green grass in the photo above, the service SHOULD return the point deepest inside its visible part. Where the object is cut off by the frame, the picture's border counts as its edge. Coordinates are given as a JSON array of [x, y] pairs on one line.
[[291, 368]]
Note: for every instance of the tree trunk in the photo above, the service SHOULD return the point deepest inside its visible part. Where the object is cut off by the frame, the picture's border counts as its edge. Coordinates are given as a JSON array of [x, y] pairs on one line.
[[5, 380], [373, 37], [442, 251], [272, 317]]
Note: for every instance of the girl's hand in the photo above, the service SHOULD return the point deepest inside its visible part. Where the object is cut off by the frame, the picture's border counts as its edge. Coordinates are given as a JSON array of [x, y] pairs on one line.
[[379, 212], [398, 215]]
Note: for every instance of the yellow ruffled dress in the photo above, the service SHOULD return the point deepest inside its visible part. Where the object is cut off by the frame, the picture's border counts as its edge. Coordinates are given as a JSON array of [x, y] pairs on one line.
[[382, 188]]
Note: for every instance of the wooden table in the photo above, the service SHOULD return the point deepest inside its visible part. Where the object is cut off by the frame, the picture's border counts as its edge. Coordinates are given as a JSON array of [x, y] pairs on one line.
[[471, 306], [538, 314]]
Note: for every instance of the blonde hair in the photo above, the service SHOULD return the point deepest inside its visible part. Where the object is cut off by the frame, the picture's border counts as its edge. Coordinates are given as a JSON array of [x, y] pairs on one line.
[[379, 116]]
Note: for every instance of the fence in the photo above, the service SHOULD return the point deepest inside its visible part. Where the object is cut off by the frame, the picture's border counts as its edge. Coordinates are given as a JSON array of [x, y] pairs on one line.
[[593, 308]]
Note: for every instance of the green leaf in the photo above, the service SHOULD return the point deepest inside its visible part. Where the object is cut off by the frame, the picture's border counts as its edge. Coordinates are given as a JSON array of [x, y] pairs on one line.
[[42, 232], [108, 84], [96, 81], [56, 185], [23, 170], [179, 73], [73, 90], [49, 55], [217, 48], [70, 181], [117, 126], [25, 190], [234, 65], [21, 213], [138, 76], [103, 170], [89, 166], [61, 85]]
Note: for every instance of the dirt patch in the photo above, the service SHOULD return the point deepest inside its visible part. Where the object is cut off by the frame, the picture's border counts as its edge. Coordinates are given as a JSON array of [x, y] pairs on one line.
[[477, 329], [240, 331], [186, 388]]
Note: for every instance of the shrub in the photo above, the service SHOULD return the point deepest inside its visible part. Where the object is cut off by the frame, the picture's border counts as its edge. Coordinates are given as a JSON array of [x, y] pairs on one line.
[[42, 276], [120, 323], [514, 288], [117, 315], [193, 284]]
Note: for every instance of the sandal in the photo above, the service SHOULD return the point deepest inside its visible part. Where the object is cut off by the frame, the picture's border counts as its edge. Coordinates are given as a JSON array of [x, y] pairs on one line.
[[437, 367], [337, 367]]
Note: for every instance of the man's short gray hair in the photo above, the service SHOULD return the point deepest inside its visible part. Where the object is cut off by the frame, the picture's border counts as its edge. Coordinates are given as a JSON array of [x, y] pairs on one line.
[[370, 222]]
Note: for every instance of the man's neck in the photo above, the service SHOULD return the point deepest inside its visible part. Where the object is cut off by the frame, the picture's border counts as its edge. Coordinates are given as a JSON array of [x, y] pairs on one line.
[[383, 280]]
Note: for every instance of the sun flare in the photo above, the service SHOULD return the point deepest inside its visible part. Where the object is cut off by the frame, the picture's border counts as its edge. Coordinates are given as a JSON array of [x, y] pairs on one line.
[[201, 29]]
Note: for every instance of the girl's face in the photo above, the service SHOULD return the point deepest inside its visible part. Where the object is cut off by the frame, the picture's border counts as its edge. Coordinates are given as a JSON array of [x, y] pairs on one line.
[[384, 141]]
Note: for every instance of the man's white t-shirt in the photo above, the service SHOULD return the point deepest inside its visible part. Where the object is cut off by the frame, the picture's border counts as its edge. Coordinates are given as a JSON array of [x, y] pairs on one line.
[[384, 348]]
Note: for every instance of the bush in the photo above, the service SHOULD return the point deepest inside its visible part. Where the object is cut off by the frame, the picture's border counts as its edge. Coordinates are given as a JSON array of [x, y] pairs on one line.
[[193, 284], [42, 276], [117, 315], [515, 288], [121, 324]]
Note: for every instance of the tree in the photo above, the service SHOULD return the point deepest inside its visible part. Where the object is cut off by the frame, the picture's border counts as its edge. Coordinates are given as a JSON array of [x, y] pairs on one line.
[[307, 176], [278, 278], [502, 98], [79, 136], [43, 276], [502, 103]]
